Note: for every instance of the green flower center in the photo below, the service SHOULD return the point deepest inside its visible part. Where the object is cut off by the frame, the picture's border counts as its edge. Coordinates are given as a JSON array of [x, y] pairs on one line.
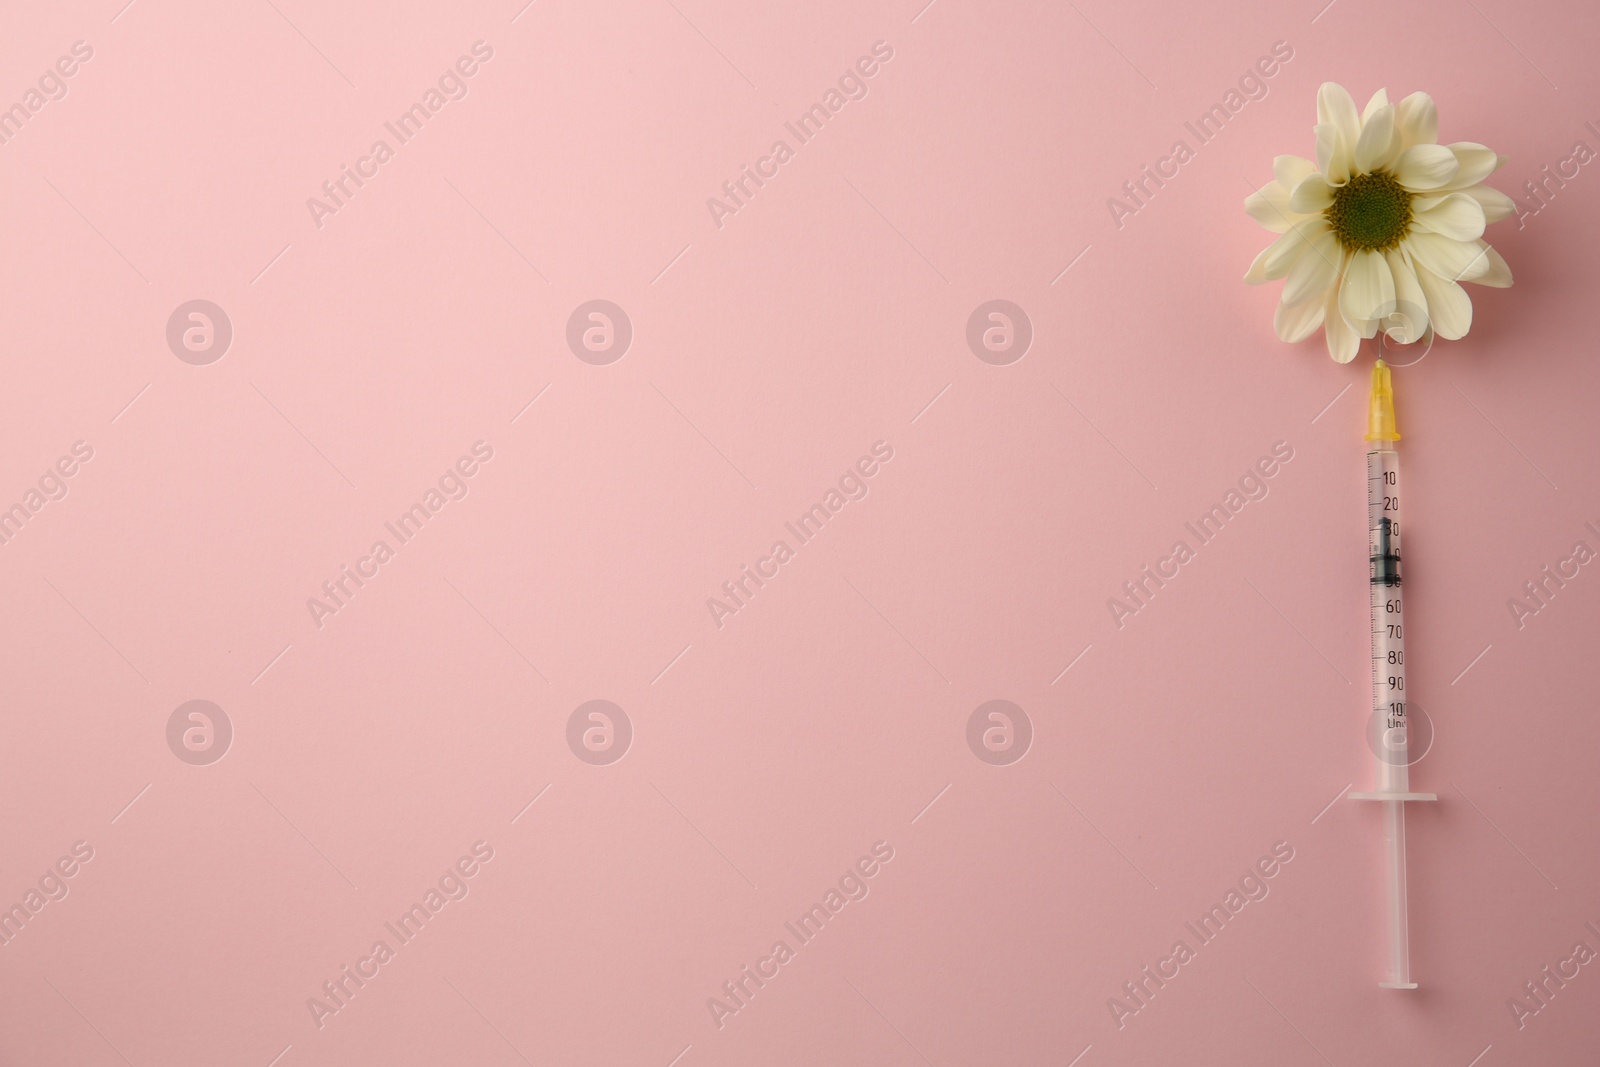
[[1370, 212]]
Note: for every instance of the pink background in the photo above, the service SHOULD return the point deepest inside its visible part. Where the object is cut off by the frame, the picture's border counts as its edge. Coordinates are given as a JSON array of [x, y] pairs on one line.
[[831, 712]]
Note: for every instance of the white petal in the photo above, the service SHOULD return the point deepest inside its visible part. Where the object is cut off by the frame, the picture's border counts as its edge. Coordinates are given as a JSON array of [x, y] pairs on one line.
[[1256, 275], [1375, 148], [1449, 306], [1452, 260], [1314, 271], [1457, 217], [1343, 342], [1297, 322], [1474, 163], [1312, 195], [1334, 153], [1335, 106], [1278, 256], [1425, 166], [1379, 99], [1270, 207], [1498, 276], [1367, 292], [1496, 205], [1282, 253], [1417, 120], [1408, 321], [1291, 170]]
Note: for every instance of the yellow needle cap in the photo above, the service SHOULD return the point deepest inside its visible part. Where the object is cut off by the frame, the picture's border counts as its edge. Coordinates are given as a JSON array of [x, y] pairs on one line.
[[1380, 408]]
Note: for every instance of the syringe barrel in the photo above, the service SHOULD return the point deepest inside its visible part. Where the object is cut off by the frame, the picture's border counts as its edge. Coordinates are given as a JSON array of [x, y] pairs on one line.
[[1388, 619]]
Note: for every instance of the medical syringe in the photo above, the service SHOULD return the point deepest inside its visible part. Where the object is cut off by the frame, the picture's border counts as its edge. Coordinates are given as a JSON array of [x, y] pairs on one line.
[[1389, 664]]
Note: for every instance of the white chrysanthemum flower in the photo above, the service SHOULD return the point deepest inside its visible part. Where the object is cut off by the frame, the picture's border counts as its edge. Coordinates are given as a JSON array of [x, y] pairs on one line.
[[1380, 229]]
